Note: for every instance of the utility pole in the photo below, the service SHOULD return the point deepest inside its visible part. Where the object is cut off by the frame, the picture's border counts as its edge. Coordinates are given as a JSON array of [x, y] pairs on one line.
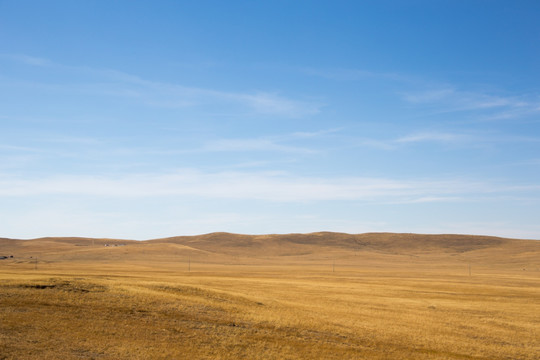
[[35, 267], [189, 264], [333, 265]]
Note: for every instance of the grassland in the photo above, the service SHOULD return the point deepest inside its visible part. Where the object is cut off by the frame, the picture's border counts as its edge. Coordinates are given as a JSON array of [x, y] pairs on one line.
[[313, 296]]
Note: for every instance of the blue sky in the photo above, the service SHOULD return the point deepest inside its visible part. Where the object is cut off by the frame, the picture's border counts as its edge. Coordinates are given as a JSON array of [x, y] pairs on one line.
[[138, 119]]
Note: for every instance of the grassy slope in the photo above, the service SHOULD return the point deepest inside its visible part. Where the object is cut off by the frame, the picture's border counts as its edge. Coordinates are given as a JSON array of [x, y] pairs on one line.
[[314, 249], [271, 297]]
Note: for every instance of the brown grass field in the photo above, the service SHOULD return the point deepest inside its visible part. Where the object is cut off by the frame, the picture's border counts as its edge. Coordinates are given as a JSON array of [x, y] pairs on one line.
[[296, 296]]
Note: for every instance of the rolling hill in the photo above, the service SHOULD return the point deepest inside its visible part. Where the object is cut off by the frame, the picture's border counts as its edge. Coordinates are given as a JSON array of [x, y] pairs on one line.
[[294, 296], [312, 248]]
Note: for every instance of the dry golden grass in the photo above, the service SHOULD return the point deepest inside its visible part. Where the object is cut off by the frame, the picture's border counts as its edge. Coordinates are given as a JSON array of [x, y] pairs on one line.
[[271, 298]]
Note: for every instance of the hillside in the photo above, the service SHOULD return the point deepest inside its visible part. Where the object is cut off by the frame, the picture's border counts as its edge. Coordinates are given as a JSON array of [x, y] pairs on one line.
[[391, 242], [312, 248], [294, 296]]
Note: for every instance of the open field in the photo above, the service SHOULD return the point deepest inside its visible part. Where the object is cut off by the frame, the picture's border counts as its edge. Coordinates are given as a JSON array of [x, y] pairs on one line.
[[314, 296]]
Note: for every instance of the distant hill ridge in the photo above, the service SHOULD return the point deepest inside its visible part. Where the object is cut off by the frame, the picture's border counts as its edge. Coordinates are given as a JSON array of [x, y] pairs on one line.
[[222, 247], [382, 240], [375, 241]]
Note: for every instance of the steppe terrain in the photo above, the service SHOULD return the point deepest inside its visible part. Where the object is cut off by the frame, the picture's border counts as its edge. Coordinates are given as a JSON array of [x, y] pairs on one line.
[[296, 296]]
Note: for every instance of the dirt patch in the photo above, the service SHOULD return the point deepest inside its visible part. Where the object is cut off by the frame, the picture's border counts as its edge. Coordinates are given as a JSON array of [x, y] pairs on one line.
[[64, 285]]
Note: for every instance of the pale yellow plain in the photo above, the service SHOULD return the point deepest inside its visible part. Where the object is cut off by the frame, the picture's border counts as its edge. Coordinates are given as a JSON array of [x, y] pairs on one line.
[[313, 296]]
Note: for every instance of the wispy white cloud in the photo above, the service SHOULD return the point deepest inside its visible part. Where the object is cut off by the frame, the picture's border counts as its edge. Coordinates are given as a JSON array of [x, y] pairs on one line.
[[528, 162], [433, 137], [380, 144], [64, 139], [269, 186], [441, 98], [449, 99], [13, 162], [116, 83], [17, 148], [268, 103], [28, 60], [260, 144], [433, 199], [253, 164], [271, 144], [344, 74], [279, 143], [276, 143], [419, 137], [461, 139], [312, 134]]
